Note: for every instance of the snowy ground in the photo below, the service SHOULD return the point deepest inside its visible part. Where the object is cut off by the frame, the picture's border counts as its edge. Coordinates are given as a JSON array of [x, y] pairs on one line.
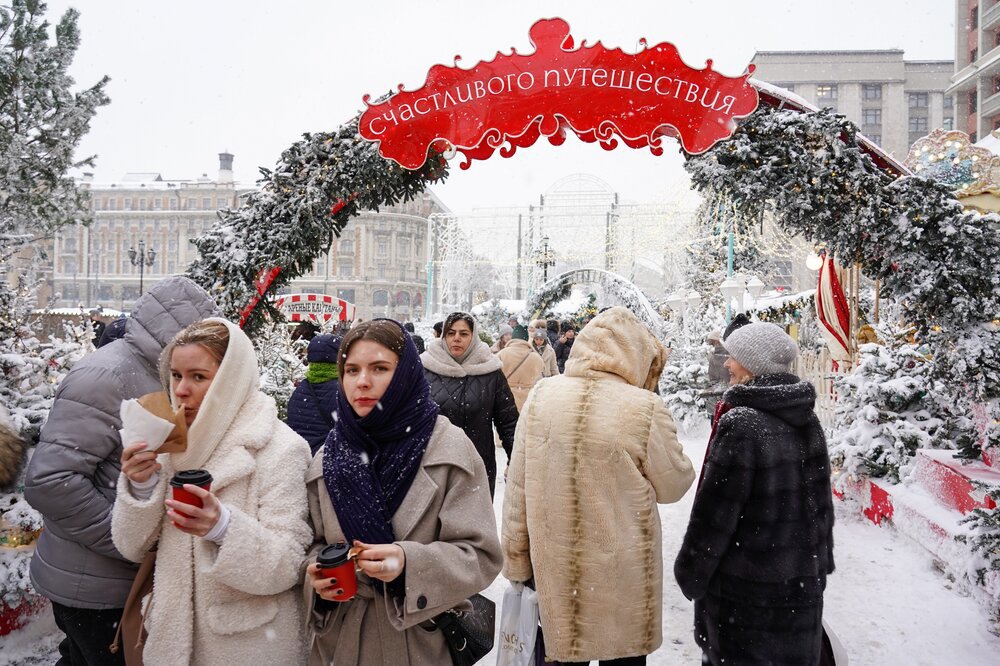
[[886, 601]]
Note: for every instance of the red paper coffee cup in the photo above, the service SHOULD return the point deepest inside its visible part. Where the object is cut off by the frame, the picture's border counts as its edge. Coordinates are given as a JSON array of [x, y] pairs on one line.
[[196, 477], [333, 562]]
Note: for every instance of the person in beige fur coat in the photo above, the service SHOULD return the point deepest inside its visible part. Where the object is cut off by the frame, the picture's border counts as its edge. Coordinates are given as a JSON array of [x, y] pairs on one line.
[[595, 451], [225, 588], [521, 366]]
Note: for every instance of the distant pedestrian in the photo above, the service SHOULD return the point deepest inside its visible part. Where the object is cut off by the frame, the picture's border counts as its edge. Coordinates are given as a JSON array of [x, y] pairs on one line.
[[759, 544], [97, 325], [540, 342], [311, 406], [437, 328], [521, 365], [113, 331], [505, 334], [564, 344], [468, 384]]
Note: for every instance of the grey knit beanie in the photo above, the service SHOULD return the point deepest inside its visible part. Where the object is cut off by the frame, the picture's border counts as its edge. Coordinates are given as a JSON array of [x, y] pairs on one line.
[[762, 348]]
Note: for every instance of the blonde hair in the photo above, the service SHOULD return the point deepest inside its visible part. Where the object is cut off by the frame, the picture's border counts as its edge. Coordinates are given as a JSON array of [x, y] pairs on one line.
[[537, 323], [212, 336]]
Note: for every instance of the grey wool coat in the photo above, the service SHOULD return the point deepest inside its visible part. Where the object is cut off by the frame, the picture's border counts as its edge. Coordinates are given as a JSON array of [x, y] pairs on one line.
[[594, 453], [447, 530], [72, 478]]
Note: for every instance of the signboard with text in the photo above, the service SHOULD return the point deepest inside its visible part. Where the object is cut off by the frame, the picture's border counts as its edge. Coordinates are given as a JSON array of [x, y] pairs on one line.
[[600, 94], [314, 307]]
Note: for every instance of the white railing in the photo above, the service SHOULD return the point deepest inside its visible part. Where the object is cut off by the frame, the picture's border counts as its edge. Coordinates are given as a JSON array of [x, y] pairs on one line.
[[817, 367]]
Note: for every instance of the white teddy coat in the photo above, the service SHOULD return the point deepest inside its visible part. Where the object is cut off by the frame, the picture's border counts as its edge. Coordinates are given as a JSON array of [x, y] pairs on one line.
[[238, 603]]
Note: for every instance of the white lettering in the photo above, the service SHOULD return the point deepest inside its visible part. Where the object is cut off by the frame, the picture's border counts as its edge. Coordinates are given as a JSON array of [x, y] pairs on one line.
[[727, 104], [405, 112], [657, 85], [692, 93], [480, 89], [531, 80], [448, 100], [489, 85], [569, 79], [416, 106], [468, 90], [644, 78], [621, 79], [551, 71], [704, 94], [602, 74], [371, 126]]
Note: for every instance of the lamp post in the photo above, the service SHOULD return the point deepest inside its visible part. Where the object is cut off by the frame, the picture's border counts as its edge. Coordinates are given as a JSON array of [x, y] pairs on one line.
[[754, 287], [142, 258], [733, 287], [545, 259]]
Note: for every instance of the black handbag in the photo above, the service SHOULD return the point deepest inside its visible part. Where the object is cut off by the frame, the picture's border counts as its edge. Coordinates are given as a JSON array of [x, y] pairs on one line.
[[469, 634]]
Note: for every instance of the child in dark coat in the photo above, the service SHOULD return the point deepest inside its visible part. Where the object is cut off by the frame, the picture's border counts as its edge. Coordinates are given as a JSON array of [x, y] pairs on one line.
[[311, 407]]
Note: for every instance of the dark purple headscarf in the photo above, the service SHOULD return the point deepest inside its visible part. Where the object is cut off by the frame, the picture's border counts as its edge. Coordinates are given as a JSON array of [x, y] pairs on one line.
[[369, 463]]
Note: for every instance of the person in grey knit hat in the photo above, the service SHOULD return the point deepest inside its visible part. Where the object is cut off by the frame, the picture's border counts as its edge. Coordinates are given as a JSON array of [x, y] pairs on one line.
[[759, 349], [759, 545]]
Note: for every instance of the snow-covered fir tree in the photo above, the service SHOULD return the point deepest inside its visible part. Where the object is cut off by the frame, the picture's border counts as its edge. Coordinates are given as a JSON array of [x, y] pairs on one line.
[[279, 359], [685, 384]]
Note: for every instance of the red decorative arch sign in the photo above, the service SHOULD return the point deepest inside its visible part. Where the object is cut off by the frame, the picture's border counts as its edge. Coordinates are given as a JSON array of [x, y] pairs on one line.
[[599, 94]]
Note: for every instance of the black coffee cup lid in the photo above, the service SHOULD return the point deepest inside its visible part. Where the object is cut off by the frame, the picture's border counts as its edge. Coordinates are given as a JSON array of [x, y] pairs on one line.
[[333, 555], [196, 477]]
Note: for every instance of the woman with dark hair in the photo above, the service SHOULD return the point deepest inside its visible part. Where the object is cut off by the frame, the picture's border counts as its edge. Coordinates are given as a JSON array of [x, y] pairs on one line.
[[759, 544], [225, 586], [468, 384], [407, 489]]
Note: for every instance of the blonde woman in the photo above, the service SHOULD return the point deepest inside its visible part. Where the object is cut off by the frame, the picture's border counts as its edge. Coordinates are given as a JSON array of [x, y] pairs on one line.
[[225, 587]]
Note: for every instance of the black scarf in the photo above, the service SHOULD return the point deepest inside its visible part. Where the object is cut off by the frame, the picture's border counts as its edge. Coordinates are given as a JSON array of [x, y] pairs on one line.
[[369, 463]]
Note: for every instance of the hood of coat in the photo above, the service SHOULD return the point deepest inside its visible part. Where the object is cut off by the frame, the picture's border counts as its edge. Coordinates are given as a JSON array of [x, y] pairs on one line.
[[616, 342], [478, 361], [236, 381], [782, 395], [162, 312]]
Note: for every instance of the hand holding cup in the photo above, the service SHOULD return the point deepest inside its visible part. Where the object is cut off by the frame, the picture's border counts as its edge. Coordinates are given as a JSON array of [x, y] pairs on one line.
[[137, 463], [193, 519]]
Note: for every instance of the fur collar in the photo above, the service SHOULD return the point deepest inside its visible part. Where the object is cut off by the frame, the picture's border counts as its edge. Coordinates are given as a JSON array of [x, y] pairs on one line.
[[480, 361]]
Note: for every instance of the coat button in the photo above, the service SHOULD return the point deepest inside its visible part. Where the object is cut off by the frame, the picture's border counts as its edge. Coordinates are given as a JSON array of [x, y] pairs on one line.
[[421, 602]]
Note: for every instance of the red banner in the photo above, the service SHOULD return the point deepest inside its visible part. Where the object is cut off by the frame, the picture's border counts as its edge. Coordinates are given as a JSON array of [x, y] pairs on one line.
[[597, 93]]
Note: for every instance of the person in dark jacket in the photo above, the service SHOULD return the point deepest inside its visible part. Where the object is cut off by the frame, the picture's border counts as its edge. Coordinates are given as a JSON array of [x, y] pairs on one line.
[[759, 544], [73, 475], [112, 331], [468, 384], [564, 345], [311, 407], [552, 330]]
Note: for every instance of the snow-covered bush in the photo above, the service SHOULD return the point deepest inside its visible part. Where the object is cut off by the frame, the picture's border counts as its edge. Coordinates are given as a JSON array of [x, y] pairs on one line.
[[279, 359]]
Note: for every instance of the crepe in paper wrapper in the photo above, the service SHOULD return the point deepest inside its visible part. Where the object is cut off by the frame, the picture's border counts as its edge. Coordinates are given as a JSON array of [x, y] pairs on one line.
[[151, 419]]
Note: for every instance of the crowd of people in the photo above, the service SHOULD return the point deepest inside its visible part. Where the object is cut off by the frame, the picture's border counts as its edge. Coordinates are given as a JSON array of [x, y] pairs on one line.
[[388, 456]]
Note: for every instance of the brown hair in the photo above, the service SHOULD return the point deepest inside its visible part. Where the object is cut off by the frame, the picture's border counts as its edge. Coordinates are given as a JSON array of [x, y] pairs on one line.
[[383, 331], [213, 336]]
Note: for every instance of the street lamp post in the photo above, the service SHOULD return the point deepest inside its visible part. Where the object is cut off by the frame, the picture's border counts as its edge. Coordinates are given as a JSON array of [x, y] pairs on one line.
[[142, 258], [545, 259]]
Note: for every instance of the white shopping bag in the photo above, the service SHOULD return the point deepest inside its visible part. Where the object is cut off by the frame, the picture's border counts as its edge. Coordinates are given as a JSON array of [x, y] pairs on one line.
[[518, 626]]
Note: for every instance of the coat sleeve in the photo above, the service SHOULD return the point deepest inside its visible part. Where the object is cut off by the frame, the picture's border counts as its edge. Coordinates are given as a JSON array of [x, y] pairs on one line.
[[81, 434], [504, 413], [263, 554], [550, 362], [466, 557], [514, 530], [717, 508], [666, 466], [136, 524]]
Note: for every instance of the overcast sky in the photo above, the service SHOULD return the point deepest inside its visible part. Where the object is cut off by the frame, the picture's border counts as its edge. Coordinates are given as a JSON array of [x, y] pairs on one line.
[[191, 78]]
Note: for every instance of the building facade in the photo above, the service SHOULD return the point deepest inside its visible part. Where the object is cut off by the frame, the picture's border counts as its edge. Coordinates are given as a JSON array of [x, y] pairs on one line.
[[975, 83], [894, 101], [379, 263]]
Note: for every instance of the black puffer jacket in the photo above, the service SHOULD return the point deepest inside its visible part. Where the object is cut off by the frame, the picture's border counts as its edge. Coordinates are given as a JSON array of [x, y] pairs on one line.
[[562, 350], [475, 397], [759, 545]]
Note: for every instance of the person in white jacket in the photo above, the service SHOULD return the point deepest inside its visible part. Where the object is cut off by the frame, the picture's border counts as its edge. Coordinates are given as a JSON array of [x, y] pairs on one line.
[[225, 584]]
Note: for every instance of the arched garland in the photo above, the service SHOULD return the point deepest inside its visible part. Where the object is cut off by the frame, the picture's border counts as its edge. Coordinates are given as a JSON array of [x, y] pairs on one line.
[[318, 185]]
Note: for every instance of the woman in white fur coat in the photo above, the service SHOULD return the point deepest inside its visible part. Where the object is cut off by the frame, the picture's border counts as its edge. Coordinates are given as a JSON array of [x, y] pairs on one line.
[[225, 587]]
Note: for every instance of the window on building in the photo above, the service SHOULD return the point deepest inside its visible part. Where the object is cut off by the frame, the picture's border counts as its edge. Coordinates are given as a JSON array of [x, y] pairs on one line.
[[973, 55], [380, 298], [790, 87], [69, 244], [221, 203], [871, 116], [70, 292], [918, 124], [948, 123], [996, 84], [871, 92], [172, 245], [402, 272], [111, 244], [875, 138], [403, 298], [826, 92], [157, 204], [171, 267], [973, 102], [418, 249], [69, 267], [346, 246], [974, 18], [173, 203], [346, 269], [380, 271], [346, 294], [949, 102], [383, 248], [105, 292], [206, 203], [142, 204], [403, 246], [128, 203], [112, 203], [917, 100]]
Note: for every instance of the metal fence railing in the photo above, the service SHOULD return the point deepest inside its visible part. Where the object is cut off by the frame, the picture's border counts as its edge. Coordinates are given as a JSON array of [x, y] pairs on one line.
[[817, 367]]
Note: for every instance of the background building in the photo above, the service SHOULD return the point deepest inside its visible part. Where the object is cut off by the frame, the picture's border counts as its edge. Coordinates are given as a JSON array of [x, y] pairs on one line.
[[893, 101], [379, 263], [976, 80]]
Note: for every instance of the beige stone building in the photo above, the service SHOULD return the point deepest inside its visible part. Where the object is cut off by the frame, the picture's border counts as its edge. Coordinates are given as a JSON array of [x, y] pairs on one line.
[[379, 263], [894, 101], [976, 79]]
